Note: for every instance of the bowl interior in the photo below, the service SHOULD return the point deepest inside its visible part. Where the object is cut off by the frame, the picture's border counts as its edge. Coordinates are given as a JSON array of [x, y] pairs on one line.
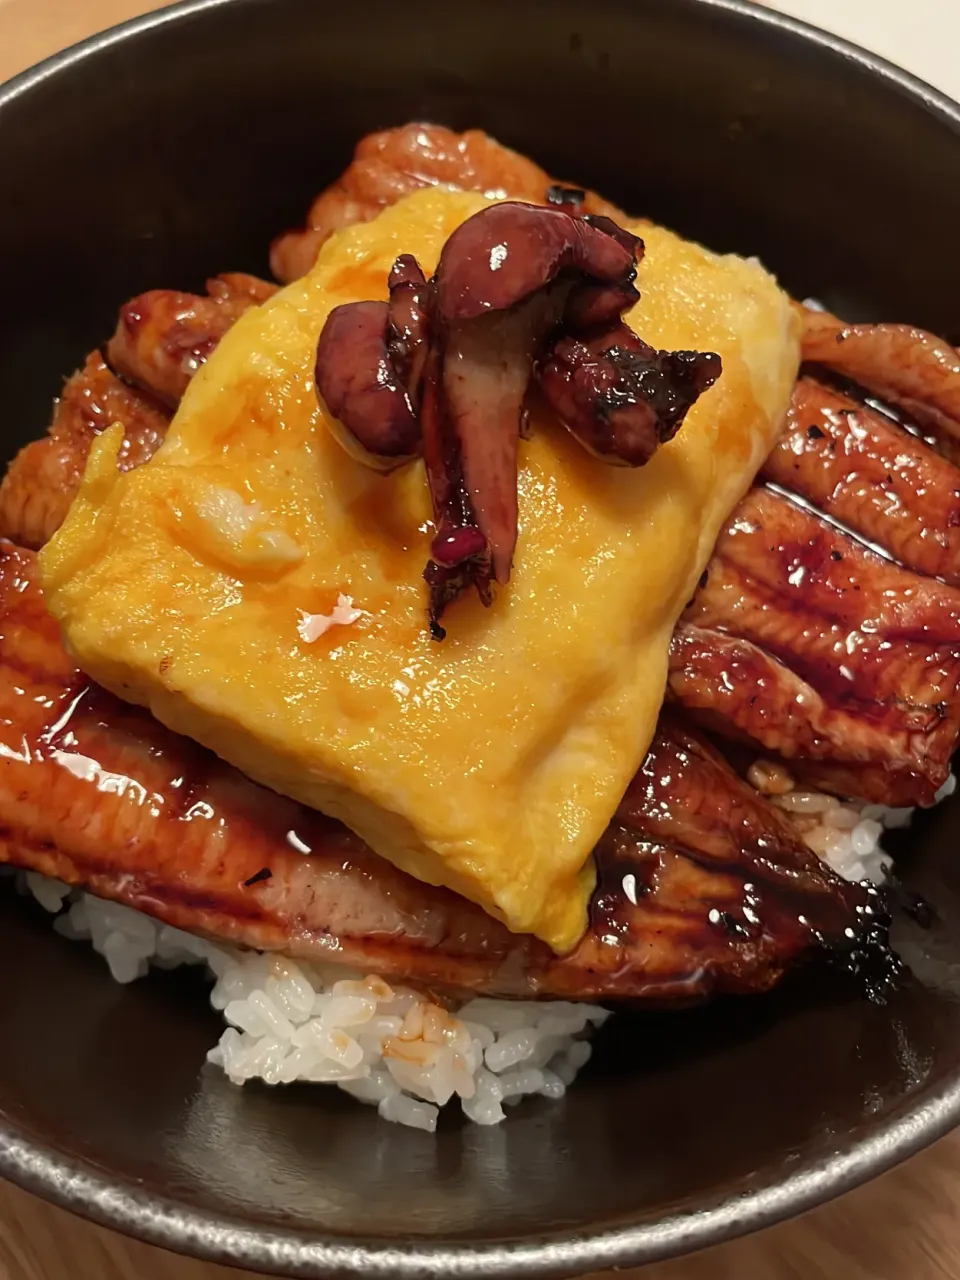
[[177, 152]]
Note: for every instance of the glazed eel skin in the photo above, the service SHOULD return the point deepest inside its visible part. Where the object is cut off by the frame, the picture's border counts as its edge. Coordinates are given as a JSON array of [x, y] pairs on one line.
[[825, 632], [703, 885], [393, 163], [162, 338], [817, 636]]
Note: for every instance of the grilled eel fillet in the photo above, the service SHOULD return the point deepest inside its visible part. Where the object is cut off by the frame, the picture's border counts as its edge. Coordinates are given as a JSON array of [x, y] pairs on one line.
[[43, 478], [703, 885], [817, 636], [389, 165], [162, 338], [802, 642]]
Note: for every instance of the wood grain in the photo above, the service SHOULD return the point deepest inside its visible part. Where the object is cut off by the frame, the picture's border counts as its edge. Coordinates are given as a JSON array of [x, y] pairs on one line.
[[904, 1226]]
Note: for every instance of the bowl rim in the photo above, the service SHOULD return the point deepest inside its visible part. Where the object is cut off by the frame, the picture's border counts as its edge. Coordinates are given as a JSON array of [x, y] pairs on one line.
[[71, 1183]]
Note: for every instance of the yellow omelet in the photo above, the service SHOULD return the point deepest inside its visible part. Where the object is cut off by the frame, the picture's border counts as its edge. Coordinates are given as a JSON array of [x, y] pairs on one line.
[[490, 762]]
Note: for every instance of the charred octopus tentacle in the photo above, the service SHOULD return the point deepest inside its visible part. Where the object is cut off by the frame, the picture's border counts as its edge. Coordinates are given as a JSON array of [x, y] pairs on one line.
[[443, 368], [370, 362], [620, 397]]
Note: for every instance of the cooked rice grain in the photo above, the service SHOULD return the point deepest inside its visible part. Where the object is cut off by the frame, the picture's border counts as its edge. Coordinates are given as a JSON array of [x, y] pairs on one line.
[[384, 1044], [393, 1047], [847, 836]]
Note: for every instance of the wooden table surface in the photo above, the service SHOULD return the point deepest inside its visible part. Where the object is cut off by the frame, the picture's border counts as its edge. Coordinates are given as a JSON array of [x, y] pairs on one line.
[[904, 1226]]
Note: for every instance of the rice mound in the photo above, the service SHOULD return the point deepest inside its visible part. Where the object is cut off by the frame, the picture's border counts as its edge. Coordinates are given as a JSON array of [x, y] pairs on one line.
[[387, 1044], [384, 1044]]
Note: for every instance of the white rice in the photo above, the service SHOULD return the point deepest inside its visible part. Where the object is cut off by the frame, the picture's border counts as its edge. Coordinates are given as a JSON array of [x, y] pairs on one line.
[[845, 835], [383, 1043], [394, 1047]]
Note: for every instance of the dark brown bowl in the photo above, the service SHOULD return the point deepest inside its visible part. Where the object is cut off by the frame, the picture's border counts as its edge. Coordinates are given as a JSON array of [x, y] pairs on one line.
[[175, 147]]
